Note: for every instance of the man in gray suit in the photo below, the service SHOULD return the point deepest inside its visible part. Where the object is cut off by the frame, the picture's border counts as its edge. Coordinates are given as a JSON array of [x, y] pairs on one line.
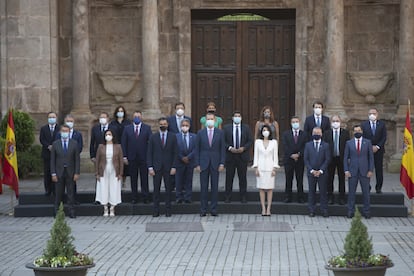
[[358, 166], [65, 168]]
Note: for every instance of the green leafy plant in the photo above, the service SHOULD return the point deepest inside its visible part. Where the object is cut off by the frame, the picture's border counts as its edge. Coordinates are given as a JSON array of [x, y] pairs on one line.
[[24, 127], [29, 162], [358, 248], [60, 251]]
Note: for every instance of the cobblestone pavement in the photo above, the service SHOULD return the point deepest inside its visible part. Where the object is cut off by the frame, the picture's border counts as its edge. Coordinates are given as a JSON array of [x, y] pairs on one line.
[[122, 246]]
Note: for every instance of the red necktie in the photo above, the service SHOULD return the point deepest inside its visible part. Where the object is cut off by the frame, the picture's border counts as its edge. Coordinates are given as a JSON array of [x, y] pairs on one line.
[[358, 146]]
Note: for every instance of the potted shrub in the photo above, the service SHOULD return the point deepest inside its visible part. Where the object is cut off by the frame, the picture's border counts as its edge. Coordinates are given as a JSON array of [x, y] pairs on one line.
[[60, 256], [358, 258]]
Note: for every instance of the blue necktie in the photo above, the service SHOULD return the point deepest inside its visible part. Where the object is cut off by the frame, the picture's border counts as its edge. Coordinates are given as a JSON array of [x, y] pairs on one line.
[[373, 128], [237, 137], [65, 147]]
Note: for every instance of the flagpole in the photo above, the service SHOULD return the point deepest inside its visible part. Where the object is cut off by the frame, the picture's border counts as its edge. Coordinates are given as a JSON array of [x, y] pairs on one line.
[[11, 213]]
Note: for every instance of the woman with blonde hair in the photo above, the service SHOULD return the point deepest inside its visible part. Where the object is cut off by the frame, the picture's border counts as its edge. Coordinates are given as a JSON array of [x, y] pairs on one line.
[[267, 118]]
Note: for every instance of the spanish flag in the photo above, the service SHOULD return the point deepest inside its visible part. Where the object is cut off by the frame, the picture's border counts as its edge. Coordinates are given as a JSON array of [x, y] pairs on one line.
[[407, 161], [10, 172]]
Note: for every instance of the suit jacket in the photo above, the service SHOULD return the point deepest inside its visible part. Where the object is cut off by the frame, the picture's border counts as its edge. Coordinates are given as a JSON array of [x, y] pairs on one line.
[[380, 133], [181, 152], [172, 124], [117, 160], [58, 158], [310, 124], [362, 162], [317, 160], [266, 159], [136, 148], [246, 140], [206, 155], [119, 128], [97, 138], [46, 139], [161, 157], [343, 137], [76, 135], [290, 147]]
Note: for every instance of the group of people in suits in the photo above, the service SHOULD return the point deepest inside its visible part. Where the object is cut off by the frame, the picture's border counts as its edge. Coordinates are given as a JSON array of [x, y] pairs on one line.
[[124, 147]]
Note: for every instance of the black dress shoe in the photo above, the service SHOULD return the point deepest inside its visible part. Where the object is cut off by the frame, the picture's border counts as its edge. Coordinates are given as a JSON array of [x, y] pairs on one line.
[[311, 214], [350, 216], [188, 201], [330, 201], [214, 214], [167, 214], [179, 201], [287, 200], [368, 216], [146, 201], [97, 203], [378, 191], [72, 215], [156, 214], [325, 214], [203, 214]]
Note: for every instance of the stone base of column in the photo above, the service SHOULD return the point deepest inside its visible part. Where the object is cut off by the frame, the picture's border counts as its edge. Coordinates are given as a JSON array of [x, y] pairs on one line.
[[394, 164], [151, 116]]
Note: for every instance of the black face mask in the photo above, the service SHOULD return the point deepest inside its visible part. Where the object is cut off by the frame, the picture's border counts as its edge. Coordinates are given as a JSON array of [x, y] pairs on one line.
[[163, 128], [357, 135], [316, 137], [211, 111]]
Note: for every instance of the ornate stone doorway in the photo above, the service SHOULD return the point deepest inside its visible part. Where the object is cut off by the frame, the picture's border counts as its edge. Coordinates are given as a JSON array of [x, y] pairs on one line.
[[243, 60]]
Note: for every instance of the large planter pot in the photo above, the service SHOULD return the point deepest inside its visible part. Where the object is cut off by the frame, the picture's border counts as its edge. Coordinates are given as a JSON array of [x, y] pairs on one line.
[[60, 271], [358, 271]]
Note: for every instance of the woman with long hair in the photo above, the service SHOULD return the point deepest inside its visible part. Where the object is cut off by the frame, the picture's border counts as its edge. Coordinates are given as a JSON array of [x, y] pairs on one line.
[[267, 118]]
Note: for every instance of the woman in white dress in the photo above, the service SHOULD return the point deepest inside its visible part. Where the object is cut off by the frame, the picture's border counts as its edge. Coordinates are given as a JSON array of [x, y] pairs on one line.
[[109, 168], [266, 162]]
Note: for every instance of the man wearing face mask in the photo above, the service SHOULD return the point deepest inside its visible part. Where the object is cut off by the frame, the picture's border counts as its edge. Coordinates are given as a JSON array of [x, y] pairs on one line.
[[97, 134], [238, 139], [174, 121], [65, 168], [317, 157], [317, 120], [209, 160], [336, 137], [48, 134], [375, 130], [134, 146], [185, 163], [161, 161], [358, 166], [294, 141]]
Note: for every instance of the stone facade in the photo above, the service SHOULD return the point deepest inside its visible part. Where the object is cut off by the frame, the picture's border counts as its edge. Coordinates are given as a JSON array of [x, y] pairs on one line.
[[87, 56]]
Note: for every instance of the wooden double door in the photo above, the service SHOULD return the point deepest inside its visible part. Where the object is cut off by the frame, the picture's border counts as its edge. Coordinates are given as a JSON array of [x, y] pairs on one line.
[[244, 65]]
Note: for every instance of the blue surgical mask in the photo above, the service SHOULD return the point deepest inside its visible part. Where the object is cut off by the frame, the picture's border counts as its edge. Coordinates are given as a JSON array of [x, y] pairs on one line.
[[51, 121], [137, 120], [210, 123], [237, 120], [64, 135], [69, 124], [295, 125], [120, 114]]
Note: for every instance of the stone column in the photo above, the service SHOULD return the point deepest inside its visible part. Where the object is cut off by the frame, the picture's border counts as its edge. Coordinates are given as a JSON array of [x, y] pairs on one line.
[[150, 59], [81, 73], [335, 70], [406, 78]]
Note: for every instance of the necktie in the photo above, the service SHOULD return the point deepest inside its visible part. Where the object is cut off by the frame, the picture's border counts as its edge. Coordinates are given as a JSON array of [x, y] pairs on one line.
[[358, 146], [317, 146], [102, 129], [373, 128], [185, 143], [65, 146], [136, 131], [318, 121], [210, 137], [163, 139], [336, 140], [52, 129], [295, 137], [237, 137]]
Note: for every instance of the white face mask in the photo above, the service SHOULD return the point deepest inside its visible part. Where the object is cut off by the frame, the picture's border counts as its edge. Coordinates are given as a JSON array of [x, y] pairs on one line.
[[69, 124], [318, 111], [336, 125], [108, 138], [102, 121], [185, 129], [210, 123], [266, 133], [372, 117], [180, 112]]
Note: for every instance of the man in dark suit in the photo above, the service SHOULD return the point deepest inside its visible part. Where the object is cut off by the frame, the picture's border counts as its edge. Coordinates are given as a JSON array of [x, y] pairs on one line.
[[358, 166], [238, 139], [210, 157], [77, 136], [317, 157], [185, 163], [375, 130], [134, 146], [48, 134], [336, 138], [294, 141], [174, 126], [97, 134], [65, 168], [316, 120], [161, 161]]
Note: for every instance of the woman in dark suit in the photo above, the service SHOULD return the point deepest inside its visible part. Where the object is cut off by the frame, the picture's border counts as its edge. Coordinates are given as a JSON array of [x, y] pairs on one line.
[[109, 169]]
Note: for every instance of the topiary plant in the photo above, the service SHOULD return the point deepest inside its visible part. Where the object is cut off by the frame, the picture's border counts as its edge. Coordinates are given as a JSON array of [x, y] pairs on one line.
[[357, 242]]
